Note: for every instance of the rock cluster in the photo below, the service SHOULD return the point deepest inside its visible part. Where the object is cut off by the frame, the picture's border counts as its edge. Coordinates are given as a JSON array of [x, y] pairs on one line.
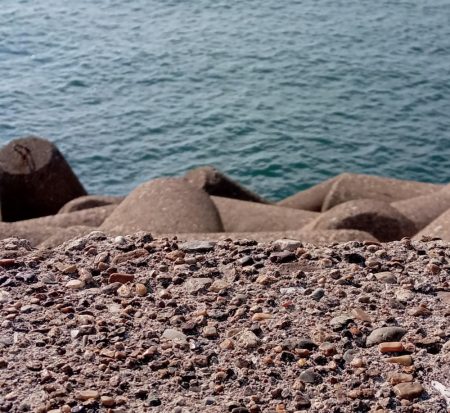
[[135, 323], [43, 201]]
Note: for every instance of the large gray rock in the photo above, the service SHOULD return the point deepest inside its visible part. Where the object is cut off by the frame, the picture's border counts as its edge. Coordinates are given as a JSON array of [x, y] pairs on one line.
[[310, 199], [90, 201], [305, 236], [165, 205], [216, 183], [375, 217], [36, 180], [439, 228], [243, 216], [422, 210], [353, 186]]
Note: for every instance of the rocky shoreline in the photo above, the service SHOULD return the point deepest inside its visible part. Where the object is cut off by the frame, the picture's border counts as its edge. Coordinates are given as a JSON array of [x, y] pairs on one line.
[[43, 201], [162, 325], [196, 294]]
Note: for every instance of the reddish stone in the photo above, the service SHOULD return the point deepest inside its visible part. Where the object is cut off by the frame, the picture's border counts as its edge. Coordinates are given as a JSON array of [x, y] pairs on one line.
[[121, 278]]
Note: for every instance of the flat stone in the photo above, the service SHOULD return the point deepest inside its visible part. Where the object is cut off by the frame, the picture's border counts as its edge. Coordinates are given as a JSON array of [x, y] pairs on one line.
[[396, 378], [120, 278], [87, 395], [174, 335], [383, 334], [360, 314], [408, 391], [402, 360], [341, 321], [386, 277], [219, 285], [286, 244], [197, 246], [194, 285]]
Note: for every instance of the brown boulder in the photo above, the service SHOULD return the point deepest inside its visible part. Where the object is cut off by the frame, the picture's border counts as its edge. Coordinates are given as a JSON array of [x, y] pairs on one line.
[[439, 228], [422, 210], [306, 236], [378, 218], [216, 183], [165, 205], [36, 180], [310, 199], [243, 216], [355, 186], [90, 201]]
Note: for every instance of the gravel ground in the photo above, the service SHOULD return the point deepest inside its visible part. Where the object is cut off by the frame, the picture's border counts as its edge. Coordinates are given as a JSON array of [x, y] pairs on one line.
[[133, 324]]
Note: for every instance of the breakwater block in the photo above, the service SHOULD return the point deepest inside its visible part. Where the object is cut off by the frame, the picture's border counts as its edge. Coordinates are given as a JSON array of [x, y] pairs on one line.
[[163, 206], [35, 179], [216, 183]]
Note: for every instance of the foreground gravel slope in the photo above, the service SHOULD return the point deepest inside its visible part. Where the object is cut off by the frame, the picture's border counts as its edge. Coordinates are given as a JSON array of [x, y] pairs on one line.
[[132, 324]]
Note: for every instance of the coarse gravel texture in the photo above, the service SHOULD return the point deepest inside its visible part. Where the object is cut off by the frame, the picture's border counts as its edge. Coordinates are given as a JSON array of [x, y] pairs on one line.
[[136, 324]]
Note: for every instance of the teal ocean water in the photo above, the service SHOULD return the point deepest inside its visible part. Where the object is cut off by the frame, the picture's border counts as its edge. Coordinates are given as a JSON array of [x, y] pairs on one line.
[[278, 94]]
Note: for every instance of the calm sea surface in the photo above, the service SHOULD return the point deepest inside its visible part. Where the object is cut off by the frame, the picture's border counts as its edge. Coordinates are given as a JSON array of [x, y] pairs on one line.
[[280, 94]]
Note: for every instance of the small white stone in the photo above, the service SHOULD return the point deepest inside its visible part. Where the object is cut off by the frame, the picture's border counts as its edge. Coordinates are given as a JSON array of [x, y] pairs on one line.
[[75, 284]]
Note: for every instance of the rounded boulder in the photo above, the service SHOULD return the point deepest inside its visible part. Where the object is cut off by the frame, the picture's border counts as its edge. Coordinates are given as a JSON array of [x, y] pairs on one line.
[[375, 217], [165, 205]]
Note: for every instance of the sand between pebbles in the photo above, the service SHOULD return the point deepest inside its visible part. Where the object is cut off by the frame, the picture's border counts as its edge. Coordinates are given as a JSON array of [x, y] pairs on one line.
[[136, 324]]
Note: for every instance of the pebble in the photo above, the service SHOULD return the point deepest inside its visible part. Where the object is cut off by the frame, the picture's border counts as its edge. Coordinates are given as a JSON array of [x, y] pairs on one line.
[[402, 360], [141, 290], [383, 334], [107, 401], [396, 378], [391, 347], [286, 245], [75, 284], [317, 294], [195, 285], [261, 316], [227, 344], [360, 314], [120, 278], [86, 395], [197, 246], [124, 291], [174, 335], [341, 321], [282, 257], [219, 285], [408, 390], [386, 277], [310, 376], [210, 332], [248, 340]]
